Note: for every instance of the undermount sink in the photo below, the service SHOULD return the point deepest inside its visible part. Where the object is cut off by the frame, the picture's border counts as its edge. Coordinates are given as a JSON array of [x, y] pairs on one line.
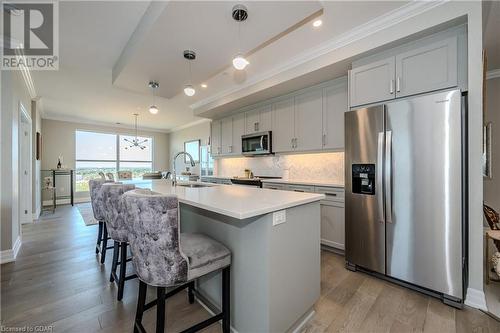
[[194, 185]]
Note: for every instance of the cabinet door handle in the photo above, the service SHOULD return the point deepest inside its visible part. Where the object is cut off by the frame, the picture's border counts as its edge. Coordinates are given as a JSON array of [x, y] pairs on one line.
[[324, 139], [256, 127], [332, 194], [291, 143], [298, 190], [391, 87], [398, 84]]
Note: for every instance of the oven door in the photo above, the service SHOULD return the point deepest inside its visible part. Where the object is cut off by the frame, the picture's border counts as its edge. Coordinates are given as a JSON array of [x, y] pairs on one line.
[[256, 144]]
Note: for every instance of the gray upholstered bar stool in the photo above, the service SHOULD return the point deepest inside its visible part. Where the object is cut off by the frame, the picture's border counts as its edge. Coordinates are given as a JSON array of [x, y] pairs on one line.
[[97, 208], [165, 258], [114, 216]]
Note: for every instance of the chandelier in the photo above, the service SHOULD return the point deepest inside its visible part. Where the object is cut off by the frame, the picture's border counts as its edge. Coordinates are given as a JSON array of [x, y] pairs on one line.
[[136, 142]]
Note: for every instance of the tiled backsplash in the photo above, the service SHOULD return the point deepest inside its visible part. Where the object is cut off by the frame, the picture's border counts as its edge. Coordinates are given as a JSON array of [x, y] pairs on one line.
[[321, 166]]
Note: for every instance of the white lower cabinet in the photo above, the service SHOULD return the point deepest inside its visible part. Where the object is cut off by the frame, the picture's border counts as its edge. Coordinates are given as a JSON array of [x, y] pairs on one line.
[[333, 224], [332, 211]]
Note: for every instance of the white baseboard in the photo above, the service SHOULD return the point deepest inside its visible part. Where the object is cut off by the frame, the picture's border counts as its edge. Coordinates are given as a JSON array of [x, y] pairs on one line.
[[304, 321], [476, 299], [333, 244], [11, 254], [36, 215]]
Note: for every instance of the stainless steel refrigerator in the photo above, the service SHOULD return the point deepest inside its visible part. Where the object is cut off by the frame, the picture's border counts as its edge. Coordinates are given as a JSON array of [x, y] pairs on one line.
[[404, 190]]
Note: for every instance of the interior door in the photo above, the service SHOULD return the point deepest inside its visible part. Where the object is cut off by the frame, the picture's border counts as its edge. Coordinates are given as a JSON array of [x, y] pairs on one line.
[[364, 212], [424, 165]]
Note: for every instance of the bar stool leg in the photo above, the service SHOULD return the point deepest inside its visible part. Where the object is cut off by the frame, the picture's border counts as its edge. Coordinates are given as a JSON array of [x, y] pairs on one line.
[[141, 301], [116, 252], [191, 292], [99, 238], [226, 299], [123, 269], [160, 309], [104, 244]]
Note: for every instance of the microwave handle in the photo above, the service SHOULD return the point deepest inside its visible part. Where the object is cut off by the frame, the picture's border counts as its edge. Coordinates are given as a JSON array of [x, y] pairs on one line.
[[262, 142]]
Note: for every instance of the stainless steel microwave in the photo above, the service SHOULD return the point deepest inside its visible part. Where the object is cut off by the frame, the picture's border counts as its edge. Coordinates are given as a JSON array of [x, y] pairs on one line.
[[256, 143]]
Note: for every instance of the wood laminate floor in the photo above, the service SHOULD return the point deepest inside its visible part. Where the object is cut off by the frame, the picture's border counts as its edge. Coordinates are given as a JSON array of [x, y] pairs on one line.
[[57, 281]]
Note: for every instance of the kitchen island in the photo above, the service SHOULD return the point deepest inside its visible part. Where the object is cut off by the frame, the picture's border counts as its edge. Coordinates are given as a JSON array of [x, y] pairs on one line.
[[274, 237]]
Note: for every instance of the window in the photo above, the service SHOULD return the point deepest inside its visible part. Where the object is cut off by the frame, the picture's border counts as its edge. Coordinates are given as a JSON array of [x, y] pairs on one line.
[[109, 153]]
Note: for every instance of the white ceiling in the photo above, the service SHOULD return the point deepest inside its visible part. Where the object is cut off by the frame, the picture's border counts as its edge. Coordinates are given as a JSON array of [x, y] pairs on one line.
[[93, 35], [209, 30]]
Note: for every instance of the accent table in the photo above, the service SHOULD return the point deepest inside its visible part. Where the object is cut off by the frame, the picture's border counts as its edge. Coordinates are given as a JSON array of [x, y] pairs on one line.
[[63, 172]]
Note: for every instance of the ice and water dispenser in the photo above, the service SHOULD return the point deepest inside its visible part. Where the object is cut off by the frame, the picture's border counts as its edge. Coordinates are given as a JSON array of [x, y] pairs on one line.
[[363, 179]]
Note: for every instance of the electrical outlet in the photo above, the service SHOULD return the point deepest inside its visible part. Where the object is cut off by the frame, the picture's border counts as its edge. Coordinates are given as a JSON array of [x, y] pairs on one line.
[[279, 217]]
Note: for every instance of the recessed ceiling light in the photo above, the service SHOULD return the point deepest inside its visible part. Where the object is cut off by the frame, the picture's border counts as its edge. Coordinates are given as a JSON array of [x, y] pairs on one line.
[[204, 85], [317, 23]]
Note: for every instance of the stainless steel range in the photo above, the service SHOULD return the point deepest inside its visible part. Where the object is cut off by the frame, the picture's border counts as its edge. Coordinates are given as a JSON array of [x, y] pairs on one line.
[[254, 181]]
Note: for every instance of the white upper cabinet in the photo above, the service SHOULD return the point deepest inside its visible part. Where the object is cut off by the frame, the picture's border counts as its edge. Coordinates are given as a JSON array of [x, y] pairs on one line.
[[258, 120], [308, 120], [252, 121], [238, 131], [266, 118], [283, 126], [373, 82], [428, 64], [427, 68], [215, 142], [227, 136], [334, 107]]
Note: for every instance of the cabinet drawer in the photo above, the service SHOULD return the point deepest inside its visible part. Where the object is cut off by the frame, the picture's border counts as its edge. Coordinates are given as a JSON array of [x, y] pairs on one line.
[[273, 186], [331, 193], [300, 188]]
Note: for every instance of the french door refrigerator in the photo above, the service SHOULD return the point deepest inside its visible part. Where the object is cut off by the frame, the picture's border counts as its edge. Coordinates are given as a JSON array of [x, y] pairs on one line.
[[404, 183]]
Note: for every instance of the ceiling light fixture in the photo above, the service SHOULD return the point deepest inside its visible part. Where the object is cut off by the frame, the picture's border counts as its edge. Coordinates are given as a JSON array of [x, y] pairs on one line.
[[240, 14], [204, 85], [135, 142], [153, 109], [317, 23], [189, 89]]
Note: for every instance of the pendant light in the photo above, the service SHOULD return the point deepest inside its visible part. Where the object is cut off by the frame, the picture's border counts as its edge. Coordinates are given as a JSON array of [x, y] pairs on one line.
[[136, 142], [153, 109], [188, 88], [240, 14]]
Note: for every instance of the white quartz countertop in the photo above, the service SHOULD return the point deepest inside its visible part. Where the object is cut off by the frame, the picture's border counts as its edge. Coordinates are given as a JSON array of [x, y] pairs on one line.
[[239, 202], [321, 182]]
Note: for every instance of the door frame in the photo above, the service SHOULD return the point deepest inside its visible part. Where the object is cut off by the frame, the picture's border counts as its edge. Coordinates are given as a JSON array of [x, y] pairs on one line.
[[25, 197]]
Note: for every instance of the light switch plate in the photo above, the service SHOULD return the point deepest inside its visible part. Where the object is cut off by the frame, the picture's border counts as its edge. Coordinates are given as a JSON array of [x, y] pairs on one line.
[[279, 217]]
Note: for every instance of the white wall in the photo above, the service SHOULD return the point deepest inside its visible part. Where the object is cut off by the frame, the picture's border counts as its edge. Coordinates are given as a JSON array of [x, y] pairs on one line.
[[177, 139], [13, 92], [58, 138]]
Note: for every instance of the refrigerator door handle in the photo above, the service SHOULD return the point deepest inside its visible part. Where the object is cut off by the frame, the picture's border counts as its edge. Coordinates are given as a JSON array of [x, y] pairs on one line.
[[388, 176], [379, 176]]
